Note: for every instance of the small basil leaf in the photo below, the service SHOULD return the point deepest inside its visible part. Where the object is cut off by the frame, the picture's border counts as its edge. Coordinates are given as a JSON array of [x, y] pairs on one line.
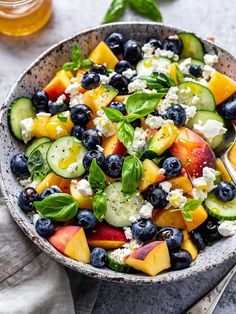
[[125, 133], [86, 63], [131, 117], [115, 11], [61, 117], [113, 114], [187, 215], [157, 160], [96, 177], [147, 8], [38, 167], [69, 66], [192, 205], [58, 207], [76, 54], [99, 205], [179, 74], [132, 172]]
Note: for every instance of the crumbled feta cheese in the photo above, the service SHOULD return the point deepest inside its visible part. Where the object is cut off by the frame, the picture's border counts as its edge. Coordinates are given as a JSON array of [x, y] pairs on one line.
[[199, 194], [129, 73], [73, 79], [60, 100], [103, 124], [72, 89], [210, 129], [209, 173], [128, 233], [134, 218], [136, 85], [162, 171], [139, 140], [200, 183], [43, 114], [72, 167], [204, 184], [74, 181], [184, 66], [176, 198], [76, 99], [146, 211], [104, 79], [100, 148], [201, 81], [208, 72], [148, 50], [166, 54], [210, 59], [153, 122], [84, 188], [119, 255], [165, 186], [133, 244], [190, 112], [25, 182], [227, 228], [170, 98], [36, 217], [27, 129], [59, 129], [195, 100]]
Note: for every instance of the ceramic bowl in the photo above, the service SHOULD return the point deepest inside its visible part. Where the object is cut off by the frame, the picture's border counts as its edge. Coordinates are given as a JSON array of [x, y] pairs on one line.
[[37, 75]]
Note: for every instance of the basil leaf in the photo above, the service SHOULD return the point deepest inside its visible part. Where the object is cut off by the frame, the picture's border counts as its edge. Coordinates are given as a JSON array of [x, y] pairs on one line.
[[132, 172], [113, 114], [76, 54], [125, 133], [61, 117], [69, 66], [187, 215], [192, 205], [99, 205], [147, 8], [142, 103], [179, 74], [131, 117], [115, 11], [38, 167], [86, 63], [58, 206], [157, 160], [96, 177]]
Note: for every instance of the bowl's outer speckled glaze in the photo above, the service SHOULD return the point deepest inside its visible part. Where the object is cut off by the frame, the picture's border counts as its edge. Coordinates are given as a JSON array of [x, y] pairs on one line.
[[36, 76]]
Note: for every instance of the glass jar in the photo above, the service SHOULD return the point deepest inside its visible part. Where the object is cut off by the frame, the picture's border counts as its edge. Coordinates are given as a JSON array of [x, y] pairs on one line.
[[24, 17]]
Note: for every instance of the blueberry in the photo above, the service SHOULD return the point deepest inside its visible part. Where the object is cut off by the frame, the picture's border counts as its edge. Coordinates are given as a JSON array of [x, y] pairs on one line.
[[26, 199], [173, 43], [209, 230], [118, 106], [228, 109], [172, 236], [49, 191], [91, 138], [136, 123], [154, 42], [225, 191], [133, 51], [144, 230], [85, 218], [177, 114], [198, 240], [115, 42], [122, 66], [157, 197], [40, 100], [45, 227], [54, 108], [99, 69], [180, 260], [98, 257], [19, 166], [113, 166], [119, 82], [90, 80], [172, 166], [78, 131], [195, 70], [81, 114], [89, 156]]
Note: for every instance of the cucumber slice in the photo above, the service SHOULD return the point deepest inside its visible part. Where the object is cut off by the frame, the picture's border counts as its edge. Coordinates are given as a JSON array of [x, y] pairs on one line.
[[193, 47], [202, 116], [219, 209], [119, 207], [194, 61], [145, 66], [35, 144], [206, 98], [114, 265], [20, 109], [65, 157]]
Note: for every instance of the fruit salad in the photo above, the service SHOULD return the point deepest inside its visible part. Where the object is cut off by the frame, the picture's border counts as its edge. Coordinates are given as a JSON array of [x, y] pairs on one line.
[[121, 166]]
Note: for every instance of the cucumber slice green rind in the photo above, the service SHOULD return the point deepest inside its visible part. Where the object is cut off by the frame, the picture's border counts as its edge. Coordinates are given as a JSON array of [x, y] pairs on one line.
[[219, 209], [21, 108], [112, 264], [206, 98], [119, 207], [59, 150], [35, 144], [193, 47], [204, 116], [143, 70]]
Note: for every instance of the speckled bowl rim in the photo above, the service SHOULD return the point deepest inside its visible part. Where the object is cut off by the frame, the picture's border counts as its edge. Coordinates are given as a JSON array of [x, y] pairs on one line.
[[86, 269]]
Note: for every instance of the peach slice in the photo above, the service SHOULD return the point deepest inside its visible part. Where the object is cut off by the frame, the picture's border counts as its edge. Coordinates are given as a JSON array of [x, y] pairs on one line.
[[188, 245], [168, 217], [199, 215], [151, 175], [58, 85]]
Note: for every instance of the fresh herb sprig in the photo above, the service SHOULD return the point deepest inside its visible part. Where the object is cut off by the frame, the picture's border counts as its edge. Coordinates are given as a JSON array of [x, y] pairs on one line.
[[38, 167], [158, 81], [132, 172], [77, 60], [147, 8], [189, 206]]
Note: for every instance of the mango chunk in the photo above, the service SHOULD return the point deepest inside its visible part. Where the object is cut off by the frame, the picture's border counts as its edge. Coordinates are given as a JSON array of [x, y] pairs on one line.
[[199, 215], [102, 54], [189, 246], [168, 217], [181, 182], [58, 85], [151, 175], [221, 168]]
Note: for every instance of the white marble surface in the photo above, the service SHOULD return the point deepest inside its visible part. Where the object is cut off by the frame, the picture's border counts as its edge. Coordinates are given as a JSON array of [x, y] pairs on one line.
[[208, 18]]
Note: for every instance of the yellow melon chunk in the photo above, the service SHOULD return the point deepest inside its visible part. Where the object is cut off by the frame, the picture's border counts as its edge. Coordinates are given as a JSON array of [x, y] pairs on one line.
[[189, 246], [102, 54], [221, 168], [151, 174]]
